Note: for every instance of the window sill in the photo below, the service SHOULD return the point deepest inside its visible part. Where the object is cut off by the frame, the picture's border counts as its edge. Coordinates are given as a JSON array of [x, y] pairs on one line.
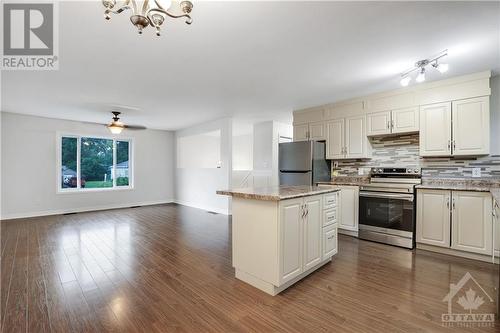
[[93, 190]]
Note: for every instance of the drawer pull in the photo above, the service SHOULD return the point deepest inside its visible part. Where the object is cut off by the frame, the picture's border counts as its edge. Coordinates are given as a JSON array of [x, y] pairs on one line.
[[331, 237]]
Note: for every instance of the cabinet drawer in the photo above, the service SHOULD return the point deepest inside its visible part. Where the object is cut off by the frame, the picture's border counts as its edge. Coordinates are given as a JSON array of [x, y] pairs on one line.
[[330, 217], [329, 241], [330, 200]]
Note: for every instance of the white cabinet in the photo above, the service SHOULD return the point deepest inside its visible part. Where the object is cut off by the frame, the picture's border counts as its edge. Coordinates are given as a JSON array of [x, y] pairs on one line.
[[435, 130], [301, 223], [330, 241], [355, 137], [348, 208], [471, 124], [346, 138], [390, 122], [313, 222], [460, 220], [405, 120], [458, 128], [291, 238], [471, 225], [433, 217], [378, 123], [335, 132], [496, 226], [317, 131], [312, 131], [301, 132]]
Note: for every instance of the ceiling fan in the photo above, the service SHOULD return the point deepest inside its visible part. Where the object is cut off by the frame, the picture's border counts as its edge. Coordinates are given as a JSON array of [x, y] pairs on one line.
[[116, 126]]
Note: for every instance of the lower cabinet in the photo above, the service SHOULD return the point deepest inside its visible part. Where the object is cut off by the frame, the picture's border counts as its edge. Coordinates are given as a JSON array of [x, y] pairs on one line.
[[304, 240], [349, 208], [460, 220]]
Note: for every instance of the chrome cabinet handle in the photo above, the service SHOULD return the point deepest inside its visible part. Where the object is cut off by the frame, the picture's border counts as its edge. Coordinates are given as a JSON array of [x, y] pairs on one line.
[[453, 200], [392, 124], [303, 211], [448, 203], [331, 237], [449, 144], [454, 145], [388, 124]]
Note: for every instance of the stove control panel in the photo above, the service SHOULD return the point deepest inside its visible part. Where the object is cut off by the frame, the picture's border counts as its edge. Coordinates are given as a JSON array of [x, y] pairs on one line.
[[395, 171]]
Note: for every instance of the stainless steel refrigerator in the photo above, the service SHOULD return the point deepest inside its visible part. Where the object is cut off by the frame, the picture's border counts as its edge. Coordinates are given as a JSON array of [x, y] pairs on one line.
[[303, 163]]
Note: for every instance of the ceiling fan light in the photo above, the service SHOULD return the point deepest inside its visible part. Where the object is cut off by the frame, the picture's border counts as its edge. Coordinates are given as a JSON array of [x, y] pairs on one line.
[[421, 76], [405, 81], [443, 68], [116, 127]]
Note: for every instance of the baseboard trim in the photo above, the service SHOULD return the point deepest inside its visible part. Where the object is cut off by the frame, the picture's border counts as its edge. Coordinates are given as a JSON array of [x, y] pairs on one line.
[[82, 209], [456, 253], [207, 208]]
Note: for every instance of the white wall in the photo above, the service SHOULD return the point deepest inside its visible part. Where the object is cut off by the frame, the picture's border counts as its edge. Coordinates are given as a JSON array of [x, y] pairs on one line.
[[28, 169], [196, 187]]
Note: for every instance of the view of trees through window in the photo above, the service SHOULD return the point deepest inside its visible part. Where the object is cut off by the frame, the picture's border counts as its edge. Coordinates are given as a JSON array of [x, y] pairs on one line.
[[97, 168]]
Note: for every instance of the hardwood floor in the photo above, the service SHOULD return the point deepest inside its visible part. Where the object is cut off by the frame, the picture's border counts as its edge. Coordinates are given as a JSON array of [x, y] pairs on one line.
[[168, 269]]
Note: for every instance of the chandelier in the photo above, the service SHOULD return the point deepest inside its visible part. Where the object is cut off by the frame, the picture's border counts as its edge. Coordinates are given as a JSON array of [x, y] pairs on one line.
[[420, 67], [150, 12]]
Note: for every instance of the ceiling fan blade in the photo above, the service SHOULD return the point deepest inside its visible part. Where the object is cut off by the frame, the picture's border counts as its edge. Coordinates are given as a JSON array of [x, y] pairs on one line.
[[135, 127]]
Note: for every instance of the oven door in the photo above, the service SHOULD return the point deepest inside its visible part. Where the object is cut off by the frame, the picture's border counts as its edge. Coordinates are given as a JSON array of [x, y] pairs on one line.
[[392, 212]]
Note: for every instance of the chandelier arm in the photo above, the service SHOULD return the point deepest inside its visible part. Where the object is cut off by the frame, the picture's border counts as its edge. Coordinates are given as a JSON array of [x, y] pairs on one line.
[[189, 20], [118, 11]]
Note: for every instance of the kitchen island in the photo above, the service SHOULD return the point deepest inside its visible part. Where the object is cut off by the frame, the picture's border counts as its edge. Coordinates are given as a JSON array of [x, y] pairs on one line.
[[282, 234]]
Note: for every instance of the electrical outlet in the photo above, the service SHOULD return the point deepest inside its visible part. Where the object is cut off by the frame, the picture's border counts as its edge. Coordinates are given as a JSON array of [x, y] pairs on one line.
[[476, 172], [361, 171]]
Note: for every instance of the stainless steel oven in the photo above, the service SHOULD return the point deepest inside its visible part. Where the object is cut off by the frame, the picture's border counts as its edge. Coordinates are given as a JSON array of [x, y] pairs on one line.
[[387, 206]]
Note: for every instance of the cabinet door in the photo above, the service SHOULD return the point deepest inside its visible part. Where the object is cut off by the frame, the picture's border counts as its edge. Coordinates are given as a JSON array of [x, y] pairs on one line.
[[433, 217], [471, 227], [348, 208], [355, 137], [317, 131], [471, 126], [496, 228], [435, 130], [335, 139], [300, 132], [405, 120], [313, 222], [330, 242], [378, 123], [291, 238]]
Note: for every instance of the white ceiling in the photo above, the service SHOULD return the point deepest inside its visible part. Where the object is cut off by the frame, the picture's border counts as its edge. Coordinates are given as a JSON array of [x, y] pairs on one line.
[[253, 60]]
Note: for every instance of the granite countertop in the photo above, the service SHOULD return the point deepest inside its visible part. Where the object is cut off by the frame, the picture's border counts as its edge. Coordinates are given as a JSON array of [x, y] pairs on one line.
[[460, 184], [348, 180], [277, 193]]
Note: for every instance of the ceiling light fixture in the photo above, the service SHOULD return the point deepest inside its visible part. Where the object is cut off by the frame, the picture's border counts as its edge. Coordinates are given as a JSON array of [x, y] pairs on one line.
[[421, 76], [116, 126], [150, 12], [421, 65]]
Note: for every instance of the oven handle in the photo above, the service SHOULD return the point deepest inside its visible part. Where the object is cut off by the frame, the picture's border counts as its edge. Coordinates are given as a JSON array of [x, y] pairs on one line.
[[406, 197]]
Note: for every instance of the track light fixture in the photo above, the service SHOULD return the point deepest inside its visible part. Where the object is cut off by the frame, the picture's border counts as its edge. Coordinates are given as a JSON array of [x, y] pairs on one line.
[[421, 65]]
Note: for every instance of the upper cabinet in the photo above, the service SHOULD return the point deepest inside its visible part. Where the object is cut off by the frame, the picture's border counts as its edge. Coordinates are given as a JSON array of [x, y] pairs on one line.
[[393, 122], [471, 126], [459, 128], [313, 131], [346, 138]]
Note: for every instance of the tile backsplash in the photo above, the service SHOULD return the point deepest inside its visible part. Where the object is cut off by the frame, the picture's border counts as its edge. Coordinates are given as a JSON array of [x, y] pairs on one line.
[[403, 151]]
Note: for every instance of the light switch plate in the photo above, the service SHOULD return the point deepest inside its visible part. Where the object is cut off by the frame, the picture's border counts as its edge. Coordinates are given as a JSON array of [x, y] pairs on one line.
[[476, 172]]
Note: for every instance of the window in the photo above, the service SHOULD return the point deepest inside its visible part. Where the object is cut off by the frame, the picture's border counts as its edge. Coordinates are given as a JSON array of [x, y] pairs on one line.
[[93, 163]]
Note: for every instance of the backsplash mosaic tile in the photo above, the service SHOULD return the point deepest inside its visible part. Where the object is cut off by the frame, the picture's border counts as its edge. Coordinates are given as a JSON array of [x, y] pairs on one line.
[[403, 151]]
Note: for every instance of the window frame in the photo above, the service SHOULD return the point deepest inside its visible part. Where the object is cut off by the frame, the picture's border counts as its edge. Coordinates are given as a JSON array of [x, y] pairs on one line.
[[78, 189]]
